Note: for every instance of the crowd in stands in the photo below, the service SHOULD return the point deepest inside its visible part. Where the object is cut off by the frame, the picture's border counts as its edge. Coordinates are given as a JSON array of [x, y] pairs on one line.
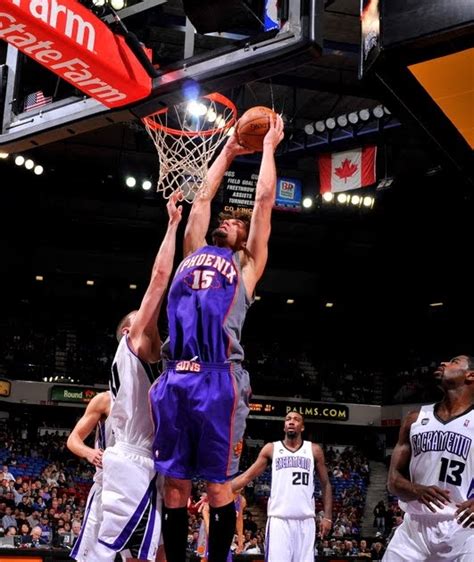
[[43, 488], [43, 491], [84, 356]]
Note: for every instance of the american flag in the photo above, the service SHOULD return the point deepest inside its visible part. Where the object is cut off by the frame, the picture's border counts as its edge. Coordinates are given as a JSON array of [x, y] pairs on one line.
[[35, 100]]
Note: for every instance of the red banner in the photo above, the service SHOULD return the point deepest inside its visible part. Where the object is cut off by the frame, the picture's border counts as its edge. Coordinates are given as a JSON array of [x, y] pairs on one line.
[[72, 42]]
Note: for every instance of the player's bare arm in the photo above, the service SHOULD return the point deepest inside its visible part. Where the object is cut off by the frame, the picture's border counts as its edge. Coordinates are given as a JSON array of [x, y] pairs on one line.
[[144, 336], [204, 511], [326, 490], [258, 467], [239, 525], [398, 481], [98, 409], [260, 224], [200, 214]]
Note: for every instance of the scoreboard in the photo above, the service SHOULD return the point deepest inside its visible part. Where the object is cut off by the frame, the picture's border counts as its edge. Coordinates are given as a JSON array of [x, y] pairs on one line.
[[277, 408], [240, 183]]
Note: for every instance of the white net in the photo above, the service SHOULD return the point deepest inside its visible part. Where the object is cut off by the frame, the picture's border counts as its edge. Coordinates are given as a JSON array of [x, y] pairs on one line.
[[186, 137]]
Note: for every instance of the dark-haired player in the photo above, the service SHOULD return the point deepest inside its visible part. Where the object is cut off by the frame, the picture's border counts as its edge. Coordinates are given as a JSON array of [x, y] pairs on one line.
[[432, 472], [200, 403], [291, 529]]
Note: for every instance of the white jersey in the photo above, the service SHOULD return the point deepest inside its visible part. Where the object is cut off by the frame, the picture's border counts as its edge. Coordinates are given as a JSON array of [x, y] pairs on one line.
[[292, 491], [131, 378], [442, 455]]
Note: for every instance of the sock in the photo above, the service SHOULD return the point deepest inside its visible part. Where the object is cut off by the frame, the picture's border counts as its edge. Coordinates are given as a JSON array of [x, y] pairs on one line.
[[221, 531], [175, 533]]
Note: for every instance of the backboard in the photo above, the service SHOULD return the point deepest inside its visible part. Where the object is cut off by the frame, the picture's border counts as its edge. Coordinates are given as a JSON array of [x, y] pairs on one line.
[[190, 51]]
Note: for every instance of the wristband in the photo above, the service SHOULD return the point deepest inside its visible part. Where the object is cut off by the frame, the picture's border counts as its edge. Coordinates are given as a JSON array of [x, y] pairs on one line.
[[327, 519]]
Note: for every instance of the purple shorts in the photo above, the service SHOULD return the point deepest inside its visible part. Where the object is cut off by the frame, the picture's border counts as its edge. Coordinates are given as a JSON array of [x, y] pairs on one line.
[[199, 410]]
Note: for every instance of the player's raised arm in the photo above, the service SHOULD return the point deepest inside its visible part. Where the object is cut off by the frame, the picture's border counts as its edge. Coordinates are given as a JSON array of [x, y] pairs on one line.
[[200, 214], [97, 409], [260, 224], [259, 466], [144, 336]]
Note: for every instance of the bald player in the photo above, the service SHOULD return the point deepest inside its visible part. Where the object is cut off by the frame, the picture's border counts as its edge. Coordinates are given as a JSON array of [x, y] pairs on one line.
[[291, 527]]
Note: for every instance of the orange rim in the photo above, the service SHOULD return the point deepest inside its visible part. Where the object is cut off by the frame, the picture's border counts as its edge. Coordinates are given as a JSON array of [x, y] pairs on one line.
[[215, 97]]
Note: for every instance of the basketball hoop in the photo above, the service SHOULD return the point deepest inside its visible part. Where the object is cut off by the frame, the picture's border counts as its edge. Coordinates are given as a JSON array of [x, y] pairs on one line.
[[186, 137]]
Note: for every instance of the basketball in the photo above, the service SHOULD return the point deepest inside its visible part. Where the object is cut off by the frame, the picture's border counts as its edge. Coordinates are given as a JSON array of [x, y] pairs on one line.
[[253, 126]]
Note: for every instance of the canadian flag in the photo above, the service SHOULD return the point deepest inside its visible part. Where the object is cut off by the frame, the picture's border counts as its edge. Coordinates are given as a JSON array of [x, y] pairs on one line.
[[351, 169]]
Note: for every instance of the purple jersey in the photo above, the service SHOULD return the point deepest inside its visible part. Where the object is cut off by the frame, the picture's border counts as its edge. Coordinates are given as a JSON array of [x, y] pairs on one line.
[[207, 304]]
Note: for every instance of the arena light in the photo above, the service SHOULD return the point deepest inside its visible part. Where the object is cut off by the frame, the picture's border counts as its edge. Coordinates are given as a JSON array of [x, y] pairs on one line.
[[220, 122], [385, 183], [368, 201], [90, 283], [378, 111], [39, 278], [435, 304], [342, 120], [329, 304], [146, 185], [196, 109], [130, 181], [309, 129], [38, 169], [364, 114], [307, 202], [328, 196], [355, 200], [132, 286], [290, 301], [118, 4], [341, 198], [320, 126], [353, 118], [211, 115], [19, 160], [3, 155], [258, 297], [330, 123], [29, 164]]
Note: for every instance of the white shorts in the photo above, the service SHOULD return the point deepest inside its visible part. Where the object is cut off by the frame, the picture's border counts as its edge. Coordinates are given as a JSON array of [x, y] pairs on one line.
[[131, 502], [422, 538], [87, 548], [290, 540]]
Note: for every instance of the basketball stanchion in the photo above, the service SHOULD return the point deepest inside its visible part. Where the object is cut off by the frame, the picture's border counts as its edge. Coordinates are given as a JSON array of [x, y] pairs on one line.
[[186, 136]]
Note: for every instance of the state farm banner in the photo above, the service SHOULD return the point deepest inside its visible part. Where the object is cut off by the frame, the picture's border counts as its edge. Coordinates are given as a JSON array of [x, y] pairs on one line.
[[70, 41]]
